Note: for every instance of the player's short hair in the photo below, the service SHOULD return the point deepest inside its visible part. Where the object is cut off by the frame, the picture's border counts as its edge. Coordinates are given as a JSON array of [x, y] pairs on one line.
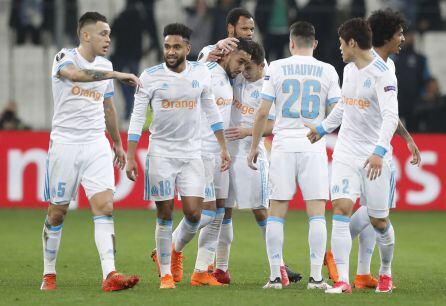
[[258, 53], [303, 33], [89, 18], [357, 29], [384, 24], [246, 45], [177, 29], [235, 14]]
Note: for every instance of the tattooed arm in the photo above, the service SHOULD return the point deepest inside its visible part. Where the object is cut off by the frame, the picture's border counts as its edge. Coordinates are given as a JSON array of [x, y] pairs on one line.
[[411, 145], [74, 74]]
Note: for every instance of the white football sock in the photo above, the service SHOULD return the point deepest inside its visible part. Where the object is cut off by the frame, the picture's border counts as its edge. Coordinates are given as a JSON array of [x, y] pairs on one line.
[[51, 236], [206, 217], [163, 238], [359, 221], [341, 245], [386, 242], [207, 242], [274, 244], [360, 225], [367, 241], [224, 245], [186, 231], [104, 236], [317, 240]]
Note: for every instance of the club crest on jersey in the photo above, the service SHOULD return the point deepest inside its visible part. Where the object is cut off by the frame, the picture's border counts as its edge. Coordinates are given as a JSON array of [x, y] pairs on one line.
[[368, 83], [389, 88], [165, 86], [255, 94], [195, 84]]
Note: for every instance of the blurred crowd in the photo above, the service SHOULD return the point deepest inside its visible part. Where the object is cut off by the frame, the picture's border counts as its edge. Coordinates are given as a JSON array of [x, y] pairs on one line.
[[421, 104]]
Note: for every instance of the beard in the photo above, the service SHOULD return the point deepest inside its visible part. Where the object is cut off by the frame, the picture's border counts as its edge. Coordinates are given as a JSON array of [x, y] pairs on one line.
[[178, 62]]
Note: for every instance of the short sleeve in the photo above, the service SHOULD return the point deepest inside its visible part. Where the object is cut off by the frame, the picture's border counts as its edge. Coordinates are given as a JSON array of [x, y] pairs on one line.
[[268, 92], [63, 58], [334, 91]]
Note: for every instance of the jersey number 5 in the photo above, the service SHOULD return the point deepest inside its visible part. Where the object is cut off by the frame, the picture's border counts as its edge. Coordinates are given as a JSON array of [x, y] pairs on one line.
[[308, 95]]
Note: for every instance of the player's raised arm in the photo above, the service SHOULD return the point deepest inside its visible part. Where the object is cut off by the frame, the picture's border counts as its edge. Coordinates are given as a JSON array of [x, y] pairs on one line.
[[137, 120], [75, 74]]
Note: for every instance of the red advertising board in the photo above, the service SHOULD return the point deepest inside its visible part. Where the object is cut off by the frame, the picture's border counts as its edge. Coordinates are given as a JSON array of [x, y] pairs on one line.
[[23, 156]]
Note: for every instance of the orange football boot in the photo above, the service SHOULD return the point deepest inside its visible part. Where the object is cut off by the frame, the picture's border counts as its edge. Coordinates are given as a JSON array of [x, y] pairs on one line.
[[176, 265], [167, 282], [204, 279], [154, 257], [331, 266], [365, 281], [48, 282], [116, 281]]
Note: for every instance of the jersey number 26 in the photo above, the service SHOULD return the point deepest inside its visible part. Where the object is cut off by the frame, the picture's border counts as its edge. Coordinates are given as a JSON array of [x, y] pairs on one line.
[[307, 91]]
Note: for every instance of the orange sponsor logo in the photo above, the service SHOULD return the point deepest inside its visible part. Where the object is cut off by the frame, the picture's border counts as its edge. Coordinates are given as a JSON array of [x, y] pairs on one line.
[[77, 91], [222, 102], [189, 104], [244, 109], [362, 104]]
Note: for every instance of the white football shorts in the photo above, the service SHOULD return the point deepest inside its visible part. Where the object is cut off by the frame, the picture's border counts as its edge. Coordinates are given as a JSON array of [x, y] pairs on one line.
[[164, 175], [71, 165], [220, 179], [349, 180], [309, 170], [248, 188]]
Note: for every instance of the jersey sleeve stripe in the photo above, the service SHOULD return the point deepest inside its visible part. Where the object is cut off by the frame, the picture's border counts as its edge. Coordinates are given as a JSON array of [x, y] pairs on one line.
[[63, 65], [217, 127], [267, 97], [333, 100], [109, 94], [380, 151], [133, 137]]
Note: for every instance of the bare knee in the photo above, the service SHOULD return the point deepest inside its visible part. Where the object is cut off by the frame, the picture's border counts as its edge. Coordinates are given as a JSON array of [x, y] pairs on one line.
[[315, 208], [102, 203], [379, 223], [193, 216], [260, 214], [228, 213], [164, 210], [56, 214]]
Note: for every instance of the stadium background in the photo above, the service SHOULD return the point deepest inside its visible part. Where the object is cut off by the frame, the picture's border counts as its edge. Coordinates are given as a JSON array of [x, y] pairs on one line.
[[26, 113]]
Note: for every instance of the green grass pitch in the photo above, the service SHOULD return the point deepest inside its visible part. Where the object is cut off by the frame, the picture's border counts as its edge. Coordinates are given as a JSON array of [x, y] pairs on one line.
[[418, 267]]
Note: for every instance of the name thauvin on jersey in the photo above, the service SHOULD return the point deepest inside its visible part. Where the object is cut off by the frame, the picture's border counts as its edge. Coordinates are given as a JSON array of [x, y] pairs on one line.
[[302, 69]]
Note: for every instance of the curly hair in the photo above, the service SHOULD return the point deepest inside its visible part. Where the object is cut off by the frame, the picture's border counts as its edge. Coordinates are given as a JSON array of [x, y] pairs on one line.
[[384, 24]]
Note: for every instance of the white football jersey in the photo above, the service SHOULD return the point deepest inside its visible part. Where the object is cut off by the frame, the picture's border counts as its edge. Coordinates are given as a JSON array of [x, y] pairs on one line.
[[223, 93], [244, 108], [389, 61], [177, 100], [368, 112], [78, 106], [204, 53], [301, 88]]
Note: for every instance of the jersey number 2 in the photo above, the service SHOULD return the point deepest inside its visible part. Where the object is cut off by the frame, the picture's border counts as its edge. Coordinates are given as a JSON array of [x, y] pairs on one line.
[[308, 95]]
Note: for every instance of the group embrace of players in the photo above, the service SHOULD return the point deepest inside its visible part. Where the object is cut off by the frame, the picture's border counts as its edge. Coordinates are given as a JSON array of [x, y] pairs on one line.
[[206, 146]]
